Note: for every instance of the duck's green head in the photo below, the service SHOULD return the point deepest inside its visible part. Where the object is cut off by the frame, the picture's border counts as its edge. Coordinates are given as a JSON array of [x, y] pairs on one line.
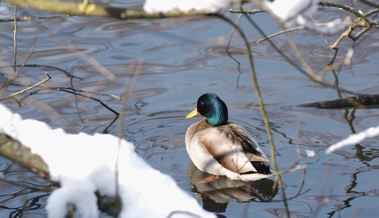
[[213, 108]]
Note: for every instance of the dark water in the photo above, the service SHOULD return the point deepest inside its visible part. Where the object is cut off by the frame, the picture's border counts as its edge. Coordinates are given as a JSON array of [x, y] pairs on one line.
[[181, 59]]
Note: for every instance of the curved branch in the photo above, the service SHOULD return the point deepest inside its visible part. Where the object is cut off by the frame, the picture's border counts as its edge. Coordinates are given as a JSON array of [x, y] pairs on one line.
[[347, 8]]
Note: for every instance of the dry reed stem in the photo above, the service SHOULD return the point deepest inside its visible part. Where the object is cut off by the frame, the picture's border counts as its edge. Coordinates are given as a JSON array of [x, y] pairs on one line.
[[128, 90], [14, 38]]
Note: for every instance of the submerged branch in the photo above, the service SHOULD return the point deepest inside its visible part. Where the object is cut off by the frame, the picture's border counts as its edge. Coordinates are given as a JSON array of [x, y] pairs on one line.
[[359, 101]]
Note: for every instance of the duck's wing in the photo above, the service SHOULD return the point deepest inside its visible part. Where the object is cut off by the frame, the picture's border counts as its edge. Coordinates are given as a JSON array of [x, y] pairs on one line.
[[251, 148], [242, 139], [233, 149]]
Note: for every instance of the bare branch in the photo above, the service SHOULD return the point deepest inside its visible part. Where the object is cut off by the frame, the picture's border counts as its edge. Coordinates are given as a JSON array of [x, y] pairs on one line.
[[19, 71], [15, 151], [280, 32], [255, 11], [85, 96], [48, 77], [347, 8]]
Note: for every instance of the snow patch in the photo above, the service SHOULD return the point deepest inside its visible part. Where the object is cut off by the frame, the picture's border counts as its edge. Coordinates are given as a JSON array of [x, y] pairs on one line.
[[158, 6]]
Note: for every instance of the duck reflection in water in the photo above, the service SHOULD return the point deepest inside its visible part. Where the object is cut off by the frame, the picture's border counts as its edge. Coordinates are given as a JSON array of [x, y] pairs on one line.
[[218, 193]]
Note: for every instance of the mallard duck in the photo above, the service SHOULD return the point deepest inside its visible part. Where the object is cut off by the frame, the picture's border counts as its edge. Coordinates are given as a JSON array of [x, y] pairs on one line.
[[221, 148]]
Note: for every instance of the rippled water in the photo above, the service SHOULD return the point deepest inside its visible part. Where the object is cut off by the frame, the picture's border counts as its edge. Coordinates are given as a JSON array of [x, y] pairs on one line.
[[181, 59]]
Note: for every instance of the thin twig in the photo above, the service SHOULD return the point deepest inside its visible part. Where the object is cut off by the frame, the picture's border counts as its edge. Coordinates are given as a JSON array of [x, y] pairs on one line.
[[68, 74], [361, 21], [376, 10], [90, 97], [348, 32], [68, 90], [232, 33], [347, 8], [290, 61], [230, 55], [308, 71], [48, 77], [19, 71], [360, 33], [105, 131], [95, 93], [280, 32]]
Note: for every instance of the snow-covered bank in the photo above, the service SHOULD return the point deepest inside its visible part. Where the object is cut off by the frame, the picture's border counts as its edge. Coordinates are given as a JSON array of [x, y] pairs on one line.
[[85, 163]]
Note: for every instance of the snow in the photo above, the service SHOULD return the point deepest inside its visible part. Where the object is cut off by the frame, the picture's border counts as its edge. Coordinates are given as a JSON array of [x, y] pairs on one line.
[[85, 163], [158, 6], [354, 139], [310, 153], [289, 11], [331, 27], [80, 194], [299, 12]]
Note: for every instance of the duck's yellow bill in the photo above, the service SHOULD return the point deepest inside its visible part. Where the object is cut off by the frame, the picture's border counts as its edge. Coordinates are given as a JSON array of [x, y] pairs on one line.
[[193, 113]]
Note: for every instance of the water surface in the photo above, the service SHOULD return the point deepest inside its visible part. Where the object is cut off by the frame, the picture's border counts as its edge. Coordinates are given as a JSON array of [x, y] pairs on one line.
[[181, 59]]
